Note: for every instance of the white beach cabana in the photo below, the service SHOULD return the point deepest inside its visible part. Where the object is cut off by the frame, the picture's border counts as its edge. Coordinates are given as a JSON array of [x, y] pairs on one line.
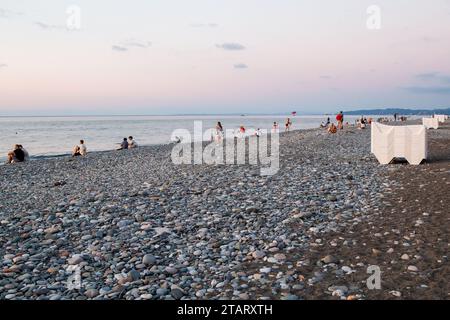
[[430, 123], [390, 142], [441, 117]]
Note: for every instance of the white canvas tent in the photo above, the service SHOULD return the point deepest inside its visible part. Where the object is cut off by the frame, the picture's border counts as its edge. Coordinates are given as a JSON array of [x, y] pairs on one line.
[[408, 142], [430, 123], [441, 117]]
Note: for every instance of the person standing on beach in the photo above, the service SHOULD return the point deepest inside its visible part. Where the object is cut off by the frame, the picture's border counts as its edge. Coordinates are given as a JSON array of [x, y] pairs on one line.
[[219, 132], [288, 125], [340, 120], [275, 126]]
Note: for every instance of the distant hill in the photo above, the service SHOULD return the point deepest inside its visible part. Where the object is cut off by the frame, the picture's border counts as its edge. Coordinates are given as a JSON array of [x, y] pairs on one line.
[[391, 111]]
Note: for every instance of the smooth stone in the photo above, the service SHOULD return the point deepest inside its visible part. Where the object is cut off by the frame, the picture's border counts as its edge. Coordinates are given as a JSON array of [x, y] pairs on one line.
[[91, 293], [75, 259], [171, 270], [177, 294], [329, 259], [162, 292], [149, 260], [265, 270], [258, 254], [134, 275]]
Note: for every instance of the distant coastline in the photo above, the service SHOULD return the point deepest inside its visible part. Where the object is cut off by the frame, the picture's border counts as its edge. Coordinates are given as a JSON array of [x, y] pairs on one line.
[[391, 111], [381, 111]]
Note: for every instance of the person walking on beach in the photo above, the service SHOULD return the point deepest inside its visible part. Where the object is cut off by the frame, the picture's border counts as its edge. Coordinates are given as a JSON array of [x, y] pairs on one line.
[[16, 155], [275, 126], [288, 125], [340, 120], [218, 136], [132, 143], [240, 132], [124, 144], [219, 127]]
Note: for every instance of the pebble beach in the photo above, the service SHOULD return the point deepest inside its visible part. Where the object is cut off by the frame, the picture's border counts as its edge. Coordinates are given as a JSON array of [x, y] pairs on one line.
[[137, 227]]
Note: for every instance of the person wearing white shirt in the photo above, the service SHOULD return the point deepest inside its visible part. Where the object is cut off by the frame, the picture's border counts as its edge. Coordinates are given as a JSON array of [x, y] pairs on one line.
[[131, 143], [82, 148], [79, 150]]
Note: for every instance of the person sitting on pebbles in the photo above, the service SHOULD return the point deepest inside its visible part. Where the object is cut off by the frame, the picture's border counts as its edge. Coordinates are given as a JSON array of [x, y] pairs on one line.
[[361, 124], [124, 144], [332, 128], [132, 143], [16, 155], [27, 155], [79, 150]]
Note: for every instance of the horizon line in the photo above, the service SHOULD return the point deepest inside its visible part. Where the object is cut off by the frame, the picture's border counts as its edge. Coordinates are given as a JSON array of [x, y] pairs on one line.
[[287, 113]]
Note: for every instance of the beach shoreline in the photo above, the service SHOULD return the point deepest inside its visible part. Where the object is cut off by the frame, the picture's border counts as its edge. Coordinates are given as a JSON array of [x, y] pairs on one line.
[[34, 158]]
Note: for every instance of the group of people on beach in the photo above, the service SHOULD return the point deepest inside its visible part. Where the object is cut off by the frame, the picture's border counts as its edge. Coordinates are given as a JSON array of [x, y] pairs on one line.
[[19, 154], [362, 122], [81, 149], [129, 143], [331, 127], [218, 132]]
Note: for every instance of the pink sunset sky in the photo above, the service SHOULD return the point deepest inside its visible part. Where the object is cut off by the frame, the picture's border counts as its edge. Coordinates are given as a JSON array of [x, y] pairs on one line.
[[221, 56]]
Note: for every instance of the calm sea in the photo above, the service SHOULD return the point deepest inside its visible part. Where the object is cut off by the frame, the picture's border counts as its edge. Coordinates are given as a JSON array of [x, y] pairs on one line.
[[50, 136]]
